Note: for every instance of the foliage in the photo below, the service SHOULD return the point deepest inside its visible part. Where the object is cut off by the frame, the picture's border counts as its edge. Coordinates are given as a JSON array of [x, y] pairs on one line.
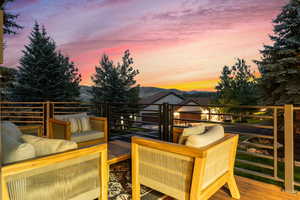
[[45, 74], [10, 25], [7, 76], [280, 62], [115, 83], [237, 85]]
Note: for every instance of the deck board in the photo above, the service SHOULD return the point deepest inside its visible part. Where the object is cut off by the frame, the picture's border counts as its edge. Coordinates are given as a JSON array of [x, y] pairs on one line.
[[255, 190]]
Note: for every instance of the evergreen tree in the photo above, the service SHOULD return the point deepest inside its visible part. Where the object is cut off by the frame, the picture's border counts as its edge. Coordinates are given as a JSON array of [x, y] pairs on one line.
[[115, 83], [237, 85], [280, 62], [7, 76], [10, 25], [45, 74]]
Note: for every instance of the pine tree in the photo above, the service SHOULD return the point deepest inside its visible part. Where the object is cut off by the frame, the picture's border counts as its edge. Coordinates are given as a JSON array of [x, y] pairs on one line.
[[237, 85], [115, 83], [280, 62], [45, 74], [10, 25]]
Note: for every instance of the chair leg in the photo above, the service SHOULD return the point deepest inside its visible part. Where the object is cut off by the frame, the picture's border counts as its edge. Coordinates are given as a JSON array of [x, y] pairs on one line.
[[136, 195], [234, 191]]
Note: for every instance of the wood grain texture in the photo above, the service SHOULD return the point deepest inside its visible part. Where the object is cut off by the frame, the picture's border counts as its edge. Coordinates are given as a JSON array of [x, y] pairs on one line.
[[253, 190], [118, 151]]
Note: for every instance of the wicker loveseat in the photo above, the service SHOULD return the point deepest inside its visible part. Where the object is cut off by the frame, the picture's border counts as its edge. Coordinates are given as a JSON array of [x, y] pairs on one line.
[[27, 171], [184, 172], [80, 128]]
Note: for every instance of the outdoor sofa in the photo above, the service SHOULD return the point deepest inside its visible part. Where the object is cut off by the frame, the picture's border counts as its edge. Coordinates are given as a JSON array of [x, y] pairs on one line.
[[80, 128], [38, 168]]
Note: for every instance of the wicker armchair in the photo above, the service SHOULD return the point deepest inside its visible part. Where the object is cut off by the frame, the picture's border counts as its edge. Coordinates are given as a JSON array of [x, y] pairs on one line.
[[78, 174], [60, 129], [184, 172]]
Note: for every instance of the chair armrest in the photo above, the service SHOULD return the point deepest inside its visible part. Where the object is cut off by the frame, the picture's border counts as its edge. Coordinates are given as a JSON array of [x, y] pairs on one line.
[[167, 146], [100, 124], [27, 129], [60, 129]]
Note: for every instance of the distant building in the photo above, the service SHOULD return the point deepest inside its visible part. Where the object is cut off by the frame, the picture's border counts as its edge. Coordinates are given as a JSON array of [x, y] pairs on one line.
[[196, 109], [150, 112]]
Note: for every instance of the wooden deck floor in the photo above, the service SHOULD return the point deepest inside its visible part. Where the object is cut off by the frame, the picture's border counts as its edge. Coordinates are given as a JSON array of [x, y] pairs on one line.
[[250, 189], [255, 190]]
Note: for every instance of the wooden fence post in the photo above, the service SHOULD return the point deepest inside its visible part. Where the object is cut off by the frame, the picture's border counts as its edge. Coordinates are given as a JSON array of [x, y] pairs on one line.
[[289, 148], [48, 111]]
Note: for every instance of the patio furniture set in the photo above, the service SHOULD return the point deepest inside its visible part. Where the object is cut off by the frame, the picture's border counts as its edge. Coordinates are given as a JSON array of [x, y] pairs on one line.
[[73, 163]]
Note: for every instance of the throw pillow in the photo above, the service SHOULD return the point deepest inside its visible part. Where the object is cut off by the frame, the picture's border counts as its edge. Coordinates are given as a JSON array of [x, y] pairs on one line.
[[195, 130], [85, 124], [213, 134], [10, 129]]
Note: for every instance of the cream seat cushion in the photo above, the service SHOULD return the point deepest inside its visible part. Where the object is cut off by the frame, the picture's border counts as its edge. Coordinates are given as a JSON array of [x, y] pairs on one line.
[[195, 130], [87, 135], [212, 134], [44, 146]]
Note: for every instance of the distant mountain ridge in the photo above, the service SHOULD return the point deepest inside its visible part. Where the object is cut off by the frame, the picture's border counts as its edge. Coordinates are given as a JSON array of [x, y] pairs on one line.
[[148, 91]]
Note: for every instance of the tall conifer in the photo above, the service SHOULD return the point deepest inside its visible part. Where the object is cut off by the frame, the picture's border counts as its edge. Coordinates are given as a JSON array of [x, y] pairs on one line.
[[44, 73]]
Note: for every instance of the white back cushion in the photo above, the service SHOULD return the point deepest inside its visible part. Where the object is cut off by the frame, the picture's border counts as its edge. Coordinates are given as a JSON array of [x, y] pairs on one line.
[[78, 124], [85, 124], [66, 117], [212, 134]]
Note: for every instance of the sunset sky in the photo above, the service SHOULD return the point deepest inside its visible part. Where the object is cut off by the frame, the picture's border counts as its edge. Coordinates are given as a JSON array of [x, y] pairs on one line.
[[181, 44]]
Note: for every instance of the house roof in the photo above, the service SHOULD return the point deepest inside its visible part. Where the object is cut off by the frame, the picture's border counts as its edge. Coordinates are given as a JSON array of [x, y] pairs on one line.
[[158, 96], [197, 100]]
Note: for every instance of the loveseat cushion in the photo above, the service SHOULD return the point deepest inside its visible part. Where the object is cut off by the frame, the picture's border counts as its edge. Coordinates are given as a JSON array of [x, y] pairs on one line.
[[45, 146], [79, 122], [212, 134], [87, 135], [14, 151], [195, 130]]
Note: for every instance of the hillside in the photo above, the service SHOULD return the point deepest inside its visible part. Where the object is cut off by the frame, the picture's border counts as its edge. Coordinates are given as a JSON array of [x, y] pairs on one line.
[[148, 91]]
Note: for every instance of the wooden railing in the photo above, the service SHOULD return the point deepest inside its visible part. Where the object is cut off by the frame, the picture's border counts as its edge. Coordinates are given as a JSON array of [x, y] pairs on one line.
[[266, 146], [275, 124]]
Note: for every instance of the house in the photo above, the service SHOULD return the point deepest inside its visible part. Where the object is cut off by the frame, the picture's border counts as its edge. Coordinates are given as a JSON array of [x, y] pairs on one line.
[[152, 105], [195, 109]]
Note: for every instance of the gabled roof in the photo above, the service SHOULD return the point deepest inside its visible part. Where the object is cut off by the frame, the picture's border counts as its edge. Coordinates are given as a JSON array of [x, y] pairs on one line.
[[158, 96], [197, 100]]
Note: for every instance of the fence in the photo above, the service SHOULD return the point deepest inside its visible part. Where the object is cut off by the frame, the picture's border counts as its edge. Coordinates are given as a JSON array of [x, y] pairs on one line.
[[266, 146]]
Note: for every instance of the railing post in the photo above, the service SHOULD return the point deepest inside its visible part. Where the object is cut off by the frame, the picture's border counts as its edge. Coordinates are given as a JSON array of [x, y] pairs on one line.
[[48, 118], [107, 115], [165, 121], [289, 148]]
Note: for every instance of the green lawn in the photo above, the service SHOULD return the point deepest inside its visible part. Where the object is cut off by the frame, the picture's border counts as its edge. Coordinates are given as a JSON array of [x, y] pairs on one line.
[[264, 170]]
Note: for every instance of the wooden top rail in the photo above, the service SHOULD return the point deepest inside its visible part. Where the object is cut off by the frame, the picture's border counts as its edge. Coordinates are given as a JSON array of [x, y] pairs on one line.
[[231, 106], [13, 102]]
